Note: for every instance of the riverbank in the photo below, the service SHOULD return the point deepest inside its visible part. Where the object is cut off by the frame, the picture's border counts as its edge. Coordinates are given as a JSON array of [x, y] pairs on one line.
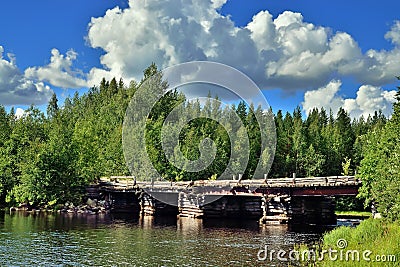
[[374, 242], [91, 206], [353, 214]]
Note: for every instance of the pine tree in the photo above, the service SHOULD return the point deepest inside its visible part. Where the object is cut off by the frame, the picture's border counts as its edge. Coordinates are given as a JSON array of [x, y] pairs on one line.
[[52, 107]]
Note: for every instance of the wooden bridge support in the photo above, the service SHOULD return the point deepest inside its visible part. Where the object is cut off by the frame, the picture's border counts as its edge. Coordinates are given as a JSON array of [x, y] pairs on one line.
[[298, 210], [141, 203], [275, 210], [269, 209], [153, 207], [215, 206], [124, 202], [312, 210]]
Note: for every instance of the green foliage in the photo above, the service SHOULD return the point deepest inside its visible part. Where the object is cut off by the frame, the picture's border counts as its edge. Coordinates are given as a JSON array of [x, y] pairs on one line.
[[213, 177], [311, 162], [49, 160], [349, 203], [346, 166], [52, 108], [380, 168], [318, 145], [377, 236]]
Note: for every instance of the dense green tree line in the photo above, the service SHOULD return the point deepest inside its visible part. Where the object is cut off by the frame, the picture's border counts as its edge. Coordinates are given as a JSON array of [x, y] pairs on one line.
[[322, 144], [380, 167], [47, 159]]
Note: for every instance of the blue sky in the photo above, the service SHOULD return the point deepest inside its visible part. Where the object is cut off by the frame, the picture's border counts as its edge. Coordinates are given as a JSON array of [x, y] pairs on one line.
[[307, 53]]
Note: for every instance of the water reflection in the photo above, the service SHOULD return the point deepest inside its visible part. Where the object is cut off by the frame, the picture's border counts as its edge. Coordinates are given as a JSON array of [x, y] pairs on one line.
[[189, 227], [150, 222], [123, 239]]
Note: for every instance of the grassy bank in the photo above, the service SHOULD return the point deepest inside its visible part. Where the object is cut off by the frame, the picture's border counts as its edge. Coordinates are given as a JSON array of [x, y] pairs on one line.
[[372, 243]]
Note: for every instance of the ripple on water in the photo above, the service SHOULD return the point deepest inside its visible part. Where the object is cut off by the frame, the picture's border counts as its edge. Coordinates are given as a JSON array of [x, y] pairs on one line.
[[28, 241]]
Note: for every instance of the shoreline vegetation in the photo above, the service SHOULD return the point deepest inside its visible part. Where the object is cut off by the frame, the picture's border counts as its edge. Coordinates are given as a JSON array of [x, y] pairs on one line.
[[89, 207], [374, 242]]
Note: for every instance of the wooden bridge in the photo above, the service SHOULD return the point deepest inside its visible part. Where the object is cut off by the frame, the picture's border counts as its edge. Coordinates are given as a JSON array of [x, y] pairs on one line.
[[272, 201]]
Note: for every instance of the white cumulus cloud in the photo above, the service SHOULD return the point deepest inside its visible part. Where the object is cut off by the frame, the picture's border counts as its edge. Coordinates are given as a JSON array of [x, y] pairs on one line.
[[59, 71], [16, 88], [324, 97], [368, 100], [394, 34], [19, 113], [286, 52]]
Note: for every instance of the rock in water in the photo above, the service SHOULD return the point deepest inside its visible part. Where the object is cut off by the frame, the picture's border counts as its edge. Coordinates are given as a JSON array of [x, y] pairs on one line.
[[91, 203]]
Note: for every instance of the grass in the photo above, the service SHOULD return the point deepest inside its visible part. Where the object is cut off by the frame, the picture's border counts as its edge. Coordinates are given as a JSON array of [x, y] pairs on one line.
[[377, 237]]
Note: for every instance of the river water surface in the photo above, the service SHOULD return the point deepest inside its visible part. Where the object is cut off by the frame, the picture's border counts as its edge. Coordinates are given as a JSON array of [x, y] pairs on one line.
[[121, 240]]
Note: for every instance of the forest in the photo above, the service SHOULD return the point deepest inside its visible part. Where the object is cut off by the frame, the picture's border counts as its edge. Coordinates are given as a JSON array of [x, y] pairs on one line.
[[47, 158]]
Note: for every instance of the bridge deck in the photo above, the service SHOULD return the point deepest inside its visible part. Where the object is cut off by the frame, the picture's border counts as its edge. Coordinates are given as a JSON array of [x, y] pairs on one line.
[[275, 200], [313, 186]]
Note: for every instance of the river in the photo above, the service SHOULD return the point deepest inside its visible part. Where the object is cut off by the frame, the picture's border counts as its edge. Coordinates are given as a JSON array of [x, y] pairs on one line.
[[122, 240]]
